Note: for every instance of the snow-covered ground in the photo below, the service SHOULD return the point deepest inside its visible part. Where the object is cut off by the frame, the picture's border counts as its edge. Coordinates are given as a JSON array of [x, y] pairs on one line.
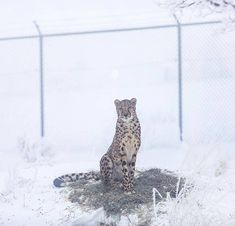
[[83, 76], [211, 202], [28, 196]]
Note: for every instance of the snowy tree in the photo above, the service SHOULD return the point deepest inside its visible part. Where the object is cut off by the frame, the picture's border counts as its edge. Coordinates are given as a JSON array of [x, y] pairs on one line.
[[226, 7]]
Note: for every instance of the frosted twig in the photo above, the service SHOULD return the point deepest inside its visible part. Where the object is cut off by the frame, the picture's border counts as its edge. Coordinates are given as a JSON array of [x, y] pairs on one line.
[[154, 192], [154, 200], [177, 187]]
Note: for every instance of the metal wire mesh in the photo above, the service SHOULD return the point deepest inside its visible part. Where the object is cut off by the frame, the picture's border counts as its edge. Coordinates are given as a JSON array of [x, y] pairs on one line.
[[81, 68], [208, 84]]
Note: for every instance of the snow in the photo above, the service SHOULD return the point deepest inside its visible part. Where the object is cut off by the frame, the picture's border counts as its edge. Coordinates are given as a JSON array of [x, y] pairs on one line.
[[83, 77], [27, 194], [211, 202]]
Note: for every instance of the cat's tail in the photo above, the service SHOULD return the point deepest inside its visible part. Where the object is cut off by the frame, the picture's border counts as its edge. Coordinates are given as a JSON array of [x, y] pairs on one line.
[[67, 179]]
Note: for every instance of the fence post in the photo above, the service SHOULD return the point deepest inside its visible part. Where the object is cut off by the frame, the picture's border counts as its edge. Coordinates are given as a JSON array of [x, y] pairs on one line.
[[179, 50], [40, 35]]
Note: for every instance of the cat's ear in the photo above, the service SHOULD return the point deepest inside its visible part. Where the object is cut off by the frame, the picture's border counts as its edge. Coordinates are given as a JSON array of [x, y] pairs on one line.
[[117, 102], [133, 101]]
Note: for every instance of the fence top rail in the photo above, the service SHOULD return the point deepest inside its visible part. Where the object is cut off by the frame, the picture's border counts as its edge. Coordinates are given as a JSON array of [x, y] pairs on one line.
[[113, 30]]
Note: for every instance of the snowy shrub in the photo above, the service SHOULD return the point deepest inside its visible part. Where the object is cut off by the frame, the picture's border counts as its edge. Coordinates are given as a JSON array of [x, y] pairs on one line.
[[10, 183], [32, 151], [210, 201]]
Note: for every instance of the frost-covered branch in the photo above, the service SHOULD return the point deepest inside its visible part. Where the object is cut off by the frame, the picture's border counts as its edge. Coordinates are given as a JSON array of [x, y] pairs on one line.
[[227, 7], [202, 7], [220, 5]]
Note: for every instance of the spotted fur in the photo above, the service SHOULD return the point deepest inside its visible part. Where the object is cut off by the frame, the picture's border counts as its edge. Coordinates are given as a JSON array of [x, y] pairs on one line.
[[118, 164], [67, 179]]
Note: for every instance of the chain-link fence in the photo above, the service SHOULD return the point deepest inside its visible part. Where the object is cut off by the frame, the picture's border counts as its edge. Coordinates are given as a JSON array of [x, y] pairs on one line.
[[62, 85], [208, 84]]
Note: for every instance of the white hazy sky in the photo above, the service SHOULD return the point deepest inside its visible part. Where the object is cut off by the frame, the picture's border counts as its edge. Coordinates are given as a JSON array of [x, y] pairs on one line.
[[25, 10], [16, 17]]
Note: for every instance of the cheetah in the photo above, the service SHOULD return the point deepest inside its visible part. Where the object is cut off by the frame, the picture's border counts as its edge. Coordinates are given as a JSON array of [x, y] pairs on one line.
[[117, 165]]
